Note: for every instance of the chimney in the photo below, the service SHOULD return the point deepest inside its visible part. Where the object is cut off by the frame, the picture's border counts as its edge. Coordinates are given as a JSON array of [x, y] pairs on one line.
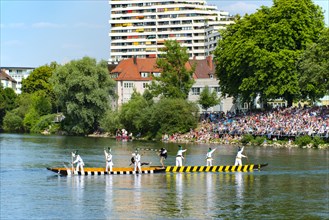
[[135, 60]]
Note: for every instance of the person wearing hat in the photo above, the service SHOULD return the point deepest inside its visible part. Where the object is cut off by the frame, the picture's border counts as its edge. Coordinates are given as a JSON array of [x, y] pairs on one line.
[[179, 156], [78, 160], [238, 158], [209, 158], [108, 159], [137, 162], [163, 155]]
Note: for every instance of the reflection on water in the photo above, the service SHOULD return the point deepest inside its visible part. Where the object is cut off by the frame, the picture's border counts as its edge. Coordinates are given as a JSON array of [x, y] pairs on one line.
[[239, 186], [296, 179], [179, 191]]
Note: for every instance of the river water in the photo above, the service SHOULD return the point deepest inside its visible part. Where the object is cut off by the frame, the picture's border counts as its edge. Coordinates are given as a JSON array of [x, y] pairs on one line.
[[295, 184]]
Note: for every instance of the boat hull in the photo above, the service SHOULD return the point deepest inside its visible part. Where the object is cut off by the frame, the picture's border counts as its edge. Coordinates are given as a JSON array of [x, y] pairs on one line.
[[155, 169]]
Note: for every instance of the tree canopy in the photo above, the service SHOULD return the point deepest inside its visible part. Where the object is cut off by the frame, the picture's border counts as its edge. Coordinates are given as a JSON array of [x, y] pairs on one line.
[[83, 88], [38, 81], [7, 102], [258, 54], [208, 99], [314, 69], [176, 79]]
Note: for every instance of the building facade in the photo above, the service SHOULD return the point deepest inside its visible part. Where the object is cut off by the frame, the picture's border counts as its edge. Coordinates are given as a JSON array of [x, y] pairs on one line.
[[135, 74], [7, 81], [18, 74], [140, 28]]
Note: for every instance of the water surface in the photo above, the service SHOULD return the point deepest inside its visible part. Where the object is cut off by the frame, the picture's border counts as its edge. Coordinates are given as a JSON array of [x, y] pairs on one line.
[[295, 185]]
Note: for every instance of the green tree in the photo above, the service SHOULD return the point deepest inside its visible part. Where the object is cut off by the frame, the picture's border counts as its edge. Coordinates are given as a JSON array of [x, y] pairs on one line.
[[314, 69], [173, 116], [41, 103], [7, 102], [208, 99], [258, 54], [12, 122], [110, 122], [83, 88], [176, 78], [134, 114], [38, 81], [30, 119]]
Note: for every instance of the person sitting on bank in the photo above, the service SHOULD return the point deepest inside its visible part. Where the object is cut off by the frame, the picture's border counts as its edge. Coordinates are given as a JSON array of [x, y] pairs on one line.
[[163, 156], [238, 158], [209, 158], [78, 160], [108, 159], [179, 156]]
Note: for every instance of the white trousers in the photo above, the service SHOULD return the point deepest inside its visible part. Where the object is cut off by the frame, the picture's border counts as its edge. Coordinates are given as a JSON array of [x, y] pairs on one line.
[[109, 165], [79, 165], [209, 162], [137, 165], [238, 162], [179, 161]]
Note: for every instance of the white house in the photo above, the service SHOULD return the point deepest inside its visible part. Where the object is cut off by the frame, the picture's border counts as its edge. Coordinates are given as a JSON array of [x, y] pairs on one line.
[[136, 73], [7, 81]]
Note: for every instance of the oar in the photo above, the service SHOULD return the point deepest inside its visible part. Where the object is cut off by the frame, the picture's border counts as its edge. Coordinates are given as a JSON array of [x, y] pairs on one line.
[[184, 153], [148, 149], [247, 158], [72, 162]]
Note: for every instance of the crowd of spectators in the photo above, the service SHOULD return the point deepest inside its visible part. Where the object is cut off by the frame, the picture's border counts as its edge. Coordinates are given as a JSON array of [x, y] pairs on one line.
[[277, 123]]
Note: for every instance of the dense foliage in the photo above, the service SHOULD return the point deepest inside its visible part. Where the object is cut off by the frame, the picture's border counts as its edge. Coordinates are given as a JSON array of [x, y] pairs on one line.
[[38, 81], [7, 102], [173, 116], [208, 99], [83, 89], [176, 78], [314, 69], [258, 54]]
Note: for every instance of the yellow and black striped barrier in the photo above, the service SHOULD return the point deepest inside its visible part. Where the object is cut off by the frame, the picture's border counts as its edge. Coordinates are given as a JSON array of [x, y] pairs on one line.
[[243, 168]]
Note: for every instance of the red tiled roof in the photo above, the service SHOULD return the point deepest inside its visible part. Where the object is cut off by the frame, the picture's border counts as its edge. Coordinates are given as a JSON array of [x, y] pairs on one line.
[[204, 68], [128, 70]]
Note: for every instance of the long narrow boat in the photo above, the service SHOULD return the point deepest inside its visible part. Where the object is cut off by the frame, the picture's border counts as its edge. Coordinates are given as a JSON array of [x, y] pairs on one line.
[[157, 169]]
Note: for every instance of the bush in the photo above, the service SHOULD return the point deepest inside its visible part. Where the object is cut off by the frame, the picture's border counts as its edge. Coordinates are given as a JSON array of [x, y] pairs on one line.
[[258, 140], [110, 121], [30, 119], [43, 123], [317, 141], [173, 116], [303, 140], [247, 139], [12, 122]]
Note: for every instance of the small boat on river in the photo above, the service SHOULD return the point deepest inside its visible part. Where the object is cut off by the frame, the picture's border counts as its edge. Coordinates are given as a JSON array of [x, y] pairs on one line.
[[90, 171]]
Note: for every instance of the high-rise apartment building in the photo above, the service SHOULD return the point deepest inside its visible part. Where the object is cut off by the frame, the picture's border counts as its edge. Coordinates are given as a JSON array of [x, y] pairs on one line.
[[139, 28]]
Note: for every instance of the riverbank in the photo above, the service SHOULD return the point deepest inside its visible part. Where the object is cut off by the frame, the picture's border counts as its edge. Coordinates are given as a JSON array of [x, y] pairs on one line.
[[228, 140]]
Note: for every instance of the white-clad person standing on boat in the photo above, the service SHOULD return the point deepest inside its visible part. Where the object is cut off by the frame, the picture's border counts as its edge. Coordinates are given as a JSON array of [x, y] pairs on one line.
[[238, 158], [137, 162], [78, 160], [108, 159], [179, 156], [209, 156]]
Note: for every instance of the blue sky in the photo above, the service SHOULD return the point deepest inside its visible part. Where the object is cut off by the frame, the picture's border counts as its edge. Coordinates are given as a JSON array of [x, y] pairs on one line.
[[37, 32]]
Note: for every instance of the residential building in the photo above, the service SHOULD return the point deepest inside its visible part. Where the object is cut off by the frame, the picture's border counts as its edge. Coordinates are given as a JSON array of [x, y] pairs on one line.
[[140, 28], [18, 74], [204, 75], [7, 81], [136, 73]]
